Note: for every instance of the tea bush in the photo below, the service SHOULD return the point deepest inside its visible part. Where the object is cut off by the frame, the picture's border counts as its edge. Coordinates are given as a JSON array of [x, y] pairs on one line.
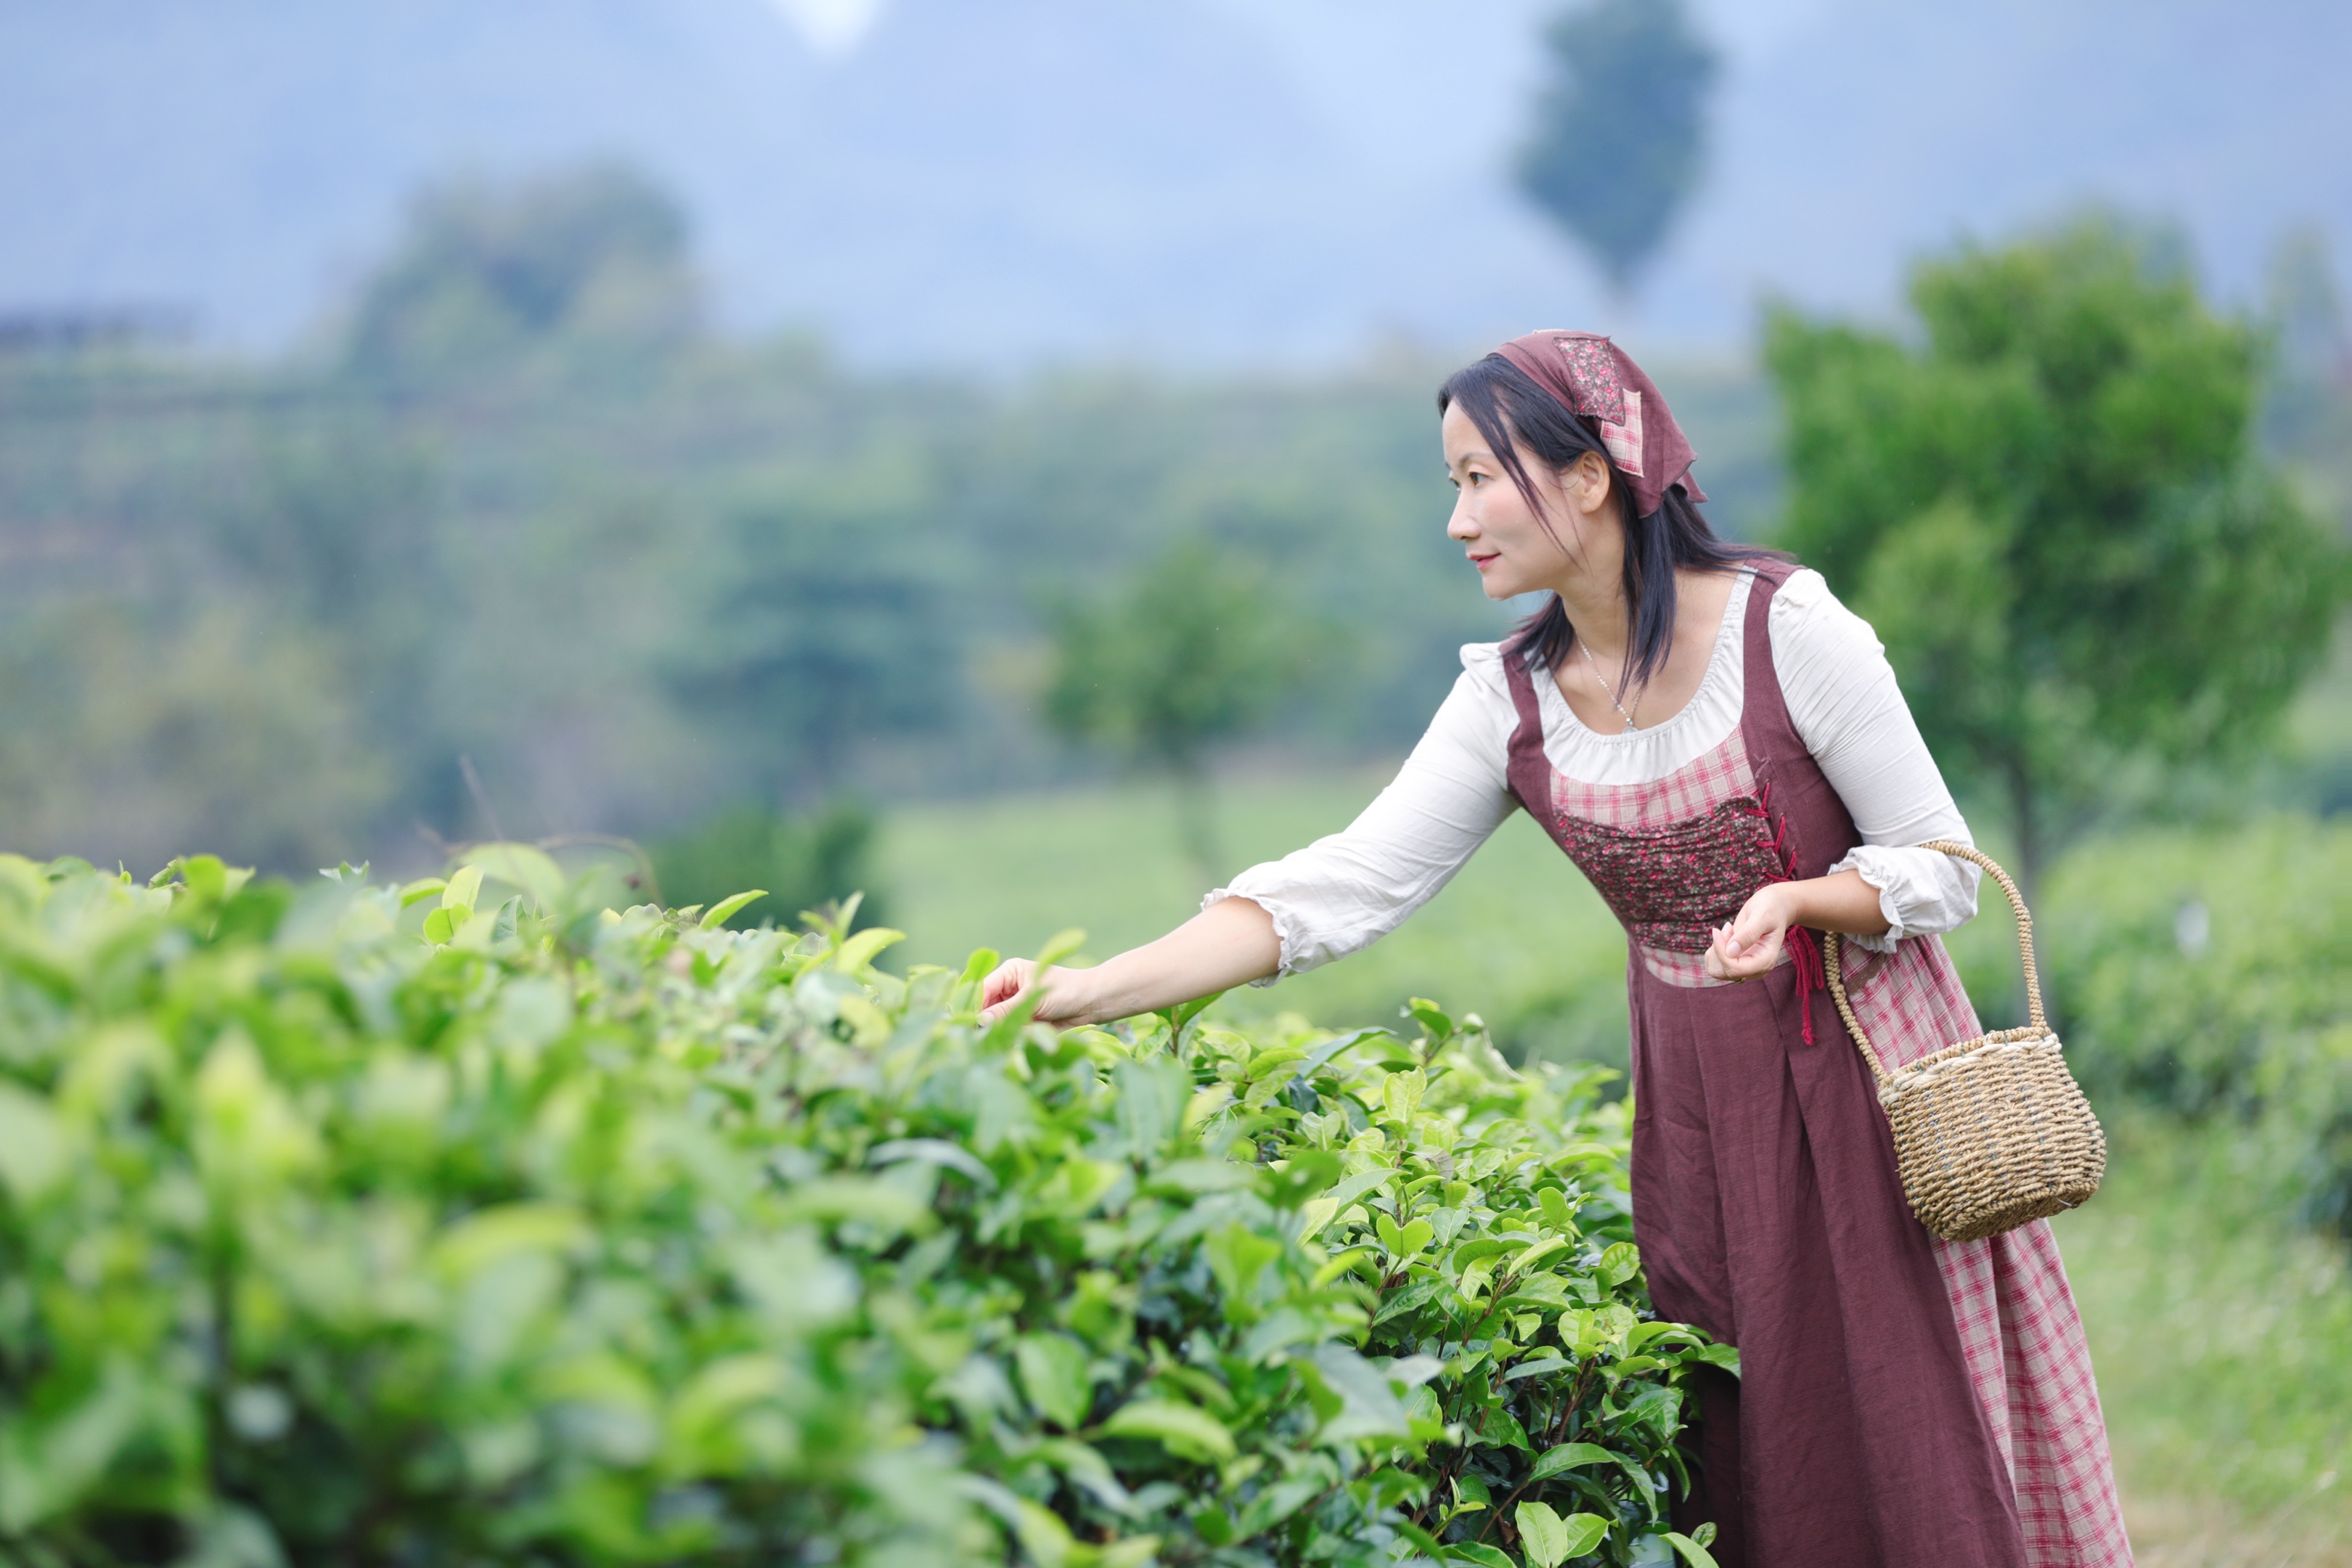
[[476, 1222]]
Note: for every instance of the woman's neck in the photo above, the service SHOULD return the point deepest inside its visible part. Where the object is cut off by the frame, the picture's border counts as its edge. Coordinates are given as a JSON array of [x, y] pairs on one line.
[[1596, 608]]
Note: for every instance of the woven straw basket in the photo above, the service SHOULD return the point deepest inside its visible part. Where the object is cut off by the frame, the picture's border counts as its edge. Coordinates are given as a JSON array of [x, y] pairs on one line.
[[1991, 1133]]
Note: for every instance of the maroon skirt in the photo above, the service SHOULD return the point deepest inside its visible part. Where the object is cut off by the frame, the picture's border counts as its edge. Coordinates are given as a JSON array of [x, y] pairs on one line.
[[1860, 1432]]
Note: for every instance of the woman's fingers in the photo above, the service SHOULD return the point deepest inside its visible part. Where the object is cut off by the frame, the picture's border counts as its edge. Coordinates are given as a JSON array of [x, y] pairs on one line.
[[1744, 948], [1004, 987], [1757, 957], [1713, 959]]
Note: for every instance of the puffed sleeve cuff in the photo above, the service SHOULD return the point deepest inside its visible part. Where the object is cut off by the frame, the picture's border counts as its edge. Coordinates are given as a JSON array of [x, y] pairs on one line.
[[1920, 891], [1288, 930]]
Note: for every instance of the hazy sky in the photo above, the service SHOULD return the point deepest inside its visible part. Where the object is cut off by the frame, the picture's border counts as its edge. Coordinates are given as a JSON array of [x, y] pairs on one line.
[[998, 182]]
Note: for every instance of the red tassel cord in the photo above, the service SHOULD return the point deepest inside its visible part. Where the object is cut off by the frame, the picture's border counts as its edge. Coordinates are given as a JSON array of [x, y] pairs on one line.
[[1805, 955], [1804, 947]]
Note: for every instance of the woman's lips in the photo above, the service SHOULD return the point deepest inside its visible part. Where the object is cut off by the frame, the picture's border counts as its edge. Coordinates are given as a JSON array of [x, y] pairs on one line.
[[1482, 561]]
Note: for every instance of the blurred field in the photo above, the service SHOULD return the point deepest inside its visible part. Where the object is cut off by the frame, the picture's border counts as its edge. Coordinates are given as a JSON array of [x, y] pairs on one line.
[[1519, 935], [2223, 1341], [2222, 1332]]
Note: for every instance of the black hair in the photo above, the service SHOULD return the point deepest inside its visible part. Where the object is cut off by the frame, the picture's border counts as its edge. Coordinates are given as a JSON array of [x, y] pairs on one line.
[[1521, 421]]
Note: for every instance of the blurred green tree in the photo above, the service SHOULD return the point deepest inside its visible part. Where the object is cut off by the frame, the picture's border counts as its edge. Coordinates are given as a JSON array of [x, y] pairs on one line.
[[597, 253], [828, 625], [2051, 507], [333, 525], [803, 860], [1621, 129], [1191, 651]]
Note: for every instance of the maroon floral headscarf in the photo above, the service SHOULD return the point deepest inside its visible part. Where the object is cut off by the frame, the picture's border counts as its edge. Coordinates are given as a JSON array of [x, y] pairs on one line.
[[1593, 377]]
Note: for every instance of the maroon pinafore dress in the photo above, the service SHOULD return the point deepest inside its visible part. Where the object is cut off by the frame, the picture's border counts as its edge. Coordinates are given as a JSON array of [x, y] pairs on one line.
[[1903, 1401]]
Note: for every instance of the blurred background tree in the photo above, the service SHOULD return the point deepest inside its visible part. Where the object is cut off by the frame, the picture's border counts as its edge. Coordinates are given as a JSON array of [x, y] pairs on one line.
[[826, 625], [1189, 654], [2053, 510], [596, 254], [806, 861], [1620, 138]]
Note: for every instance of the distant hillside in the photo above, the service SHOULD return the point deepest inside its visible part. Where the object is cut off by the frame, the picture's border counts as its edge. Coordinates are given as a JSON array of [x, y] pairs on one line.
[[1204, 180]]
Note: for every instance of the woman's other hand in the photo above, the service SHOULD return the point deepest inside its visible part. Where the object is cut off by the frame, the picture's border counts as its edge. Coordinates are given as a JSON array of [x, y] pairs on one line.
[[1013, 980], [1750, 943]]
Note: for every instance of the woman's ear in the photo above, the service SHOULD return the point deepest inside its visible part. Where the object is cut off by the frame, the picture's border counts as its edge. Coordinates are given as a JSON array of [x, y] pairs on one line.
[[1587, 482]]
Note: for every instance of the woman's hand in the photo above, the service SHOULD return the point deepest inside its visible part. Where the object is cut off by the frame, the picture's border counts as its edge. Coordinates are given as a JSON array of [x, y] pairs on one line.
[[1749, 944], [1230, 942], [1063, 1002]]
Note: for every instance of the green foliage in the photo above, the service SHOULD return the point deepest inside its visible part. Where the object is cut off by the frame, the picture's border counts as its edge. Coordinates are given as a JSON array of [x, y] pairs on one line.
[[449, 1223], [1621, 129], [798, 861], [1485, 1212], [2052, 511], [2204, 974], [324, 1238], [826, 628], [1190, 652]]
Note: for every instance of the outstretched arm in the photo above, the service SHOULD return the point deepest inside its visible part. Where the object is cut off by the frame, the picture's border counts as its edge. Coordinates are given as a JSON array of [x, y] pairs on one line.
[[1228, 943], [1335, 896]]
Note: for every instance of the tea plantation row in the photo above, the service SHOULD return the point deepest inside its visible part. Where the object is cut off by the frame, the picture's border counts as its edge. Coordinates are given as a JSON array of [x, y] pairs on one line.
[[474, 1222]]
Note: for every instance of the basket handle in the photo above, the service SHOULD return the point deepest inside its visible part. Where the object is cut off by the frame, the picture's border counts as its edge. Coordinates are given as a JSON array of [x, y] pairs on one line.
[[1832, 970]]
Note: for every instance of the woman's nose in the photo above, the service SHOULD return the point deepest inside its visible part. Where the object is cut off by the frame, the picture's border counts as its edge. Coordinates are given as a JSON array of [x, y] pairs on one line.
[[1462, 525]]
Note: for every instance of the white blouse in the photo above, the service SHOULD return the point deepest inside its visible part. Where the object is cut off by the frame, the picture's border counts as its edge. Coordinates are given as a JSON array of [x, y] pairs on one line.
[[1344, 892]]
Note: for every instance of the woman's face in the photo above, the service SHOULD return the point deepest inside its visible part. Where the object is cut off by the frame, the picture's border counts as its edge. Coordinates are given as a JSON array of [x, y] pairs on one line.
[[1513, 552]]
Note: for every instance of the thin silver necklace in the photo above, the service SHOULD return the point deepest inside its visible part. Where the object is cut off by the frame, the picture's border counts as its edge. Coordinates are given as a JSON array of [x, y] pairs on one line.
[[1604, 687]]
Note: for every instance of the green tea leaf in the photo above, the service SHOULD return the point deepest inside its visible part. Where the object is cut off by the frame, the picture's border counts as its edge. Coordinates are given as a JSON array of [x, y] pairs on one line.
[[1484, 1556], [1054, 1376], [1185, 1430], [526, 868], [727, 908], [1060, 945], [1584, 1532], [1430, 1016], [858, 951], [33, 1147], [1541, 1535], [1556, 1211], [1690, 1550], [1568, 1457], [490, 1234], [1619, 1264], [1302, 1177], [1368, 1406], [464, 887]]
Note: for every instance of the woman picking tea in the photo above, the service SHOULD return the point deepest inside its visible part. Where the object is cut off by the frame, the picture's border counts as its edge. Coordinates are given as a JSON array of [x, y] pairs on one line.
[[1721, 747]]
